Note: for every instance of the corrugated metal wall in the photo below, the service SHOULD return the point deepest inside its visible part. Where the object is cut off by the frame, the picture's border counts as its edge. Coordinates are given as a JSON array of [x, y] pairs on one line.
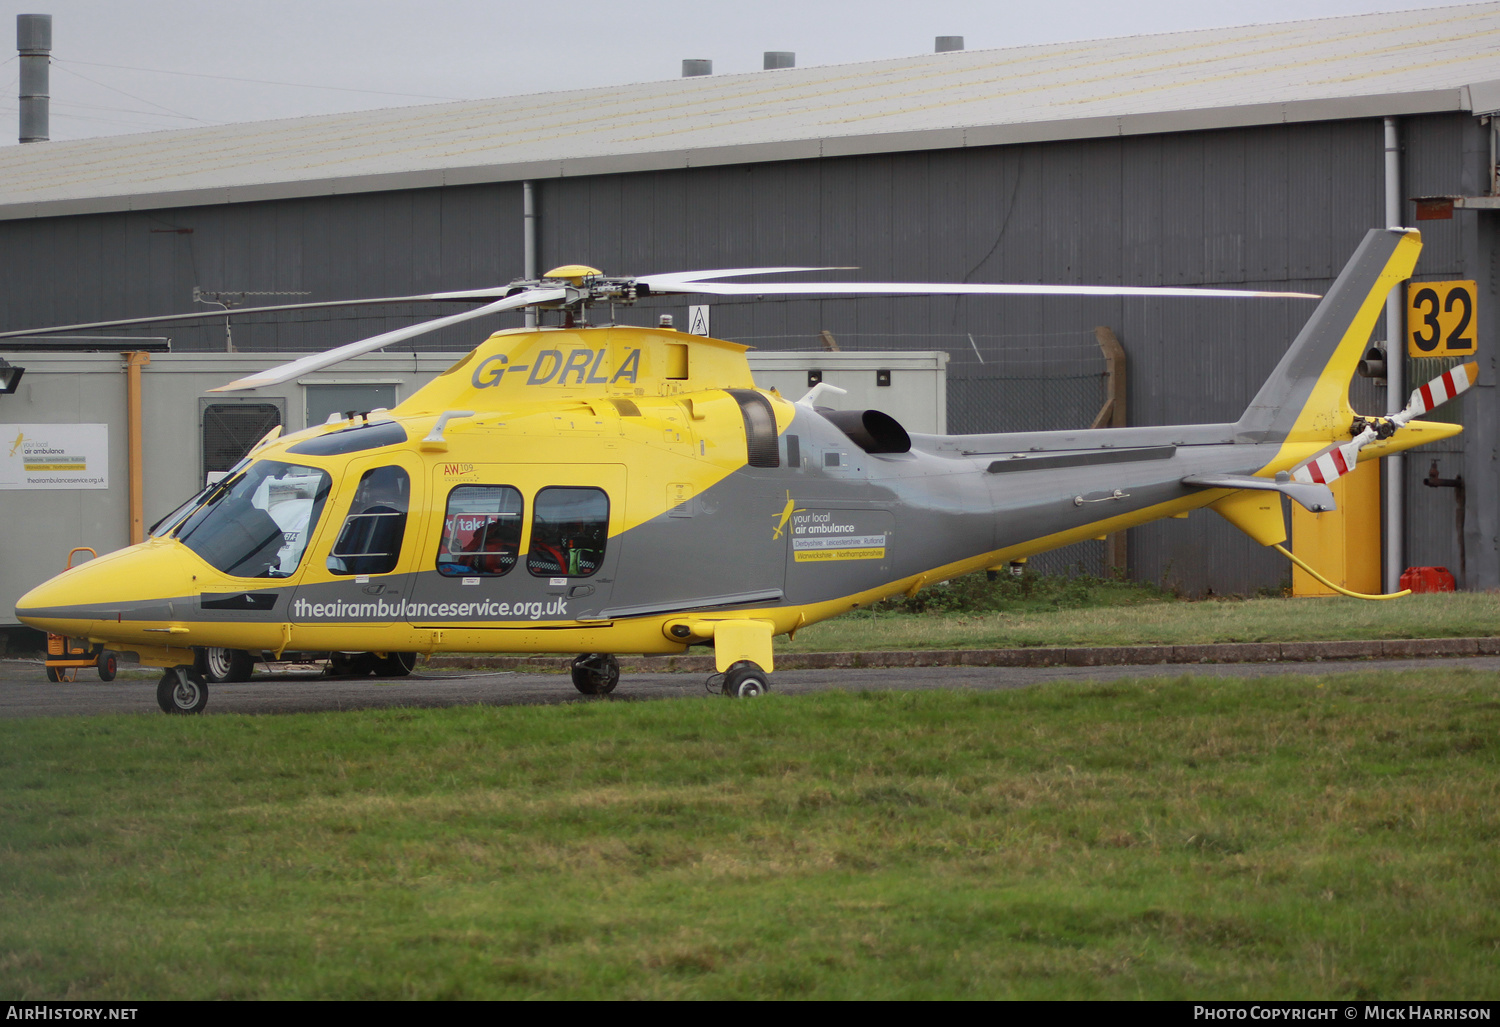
[[1279, 206], [103, 266], [1431, 148]]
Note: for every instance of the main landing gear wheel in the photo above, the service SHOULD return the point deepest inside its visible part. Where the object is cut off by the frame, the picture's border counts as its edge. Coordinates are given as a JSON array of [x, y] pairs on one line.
[[396, 665], [745, 680], [596, 673], [220, 665], [354, 665], [182, 690], [107, 663]]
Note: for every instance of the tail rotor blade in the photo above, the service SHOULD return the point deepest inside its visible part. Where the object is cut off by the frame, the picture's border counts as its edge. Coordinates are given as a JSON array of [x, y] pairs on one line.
[[1440, 390], [1334, 462]]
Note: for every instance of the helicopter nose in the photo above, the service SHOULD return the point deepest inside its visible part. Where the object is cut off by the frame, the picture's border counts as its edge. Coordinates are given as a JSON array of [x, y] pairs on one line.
[[137, 583]]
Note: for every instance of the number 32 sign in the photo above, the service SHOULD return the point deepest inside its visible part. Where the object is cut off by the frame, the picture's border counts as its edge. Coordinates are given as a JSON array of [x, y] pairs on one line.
[[1441, 319]]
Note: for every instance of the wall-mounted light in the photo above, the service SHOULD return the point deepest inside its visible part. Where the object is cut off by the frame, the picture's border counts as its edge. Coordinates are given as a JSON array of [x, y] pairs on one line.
[[10, 377]]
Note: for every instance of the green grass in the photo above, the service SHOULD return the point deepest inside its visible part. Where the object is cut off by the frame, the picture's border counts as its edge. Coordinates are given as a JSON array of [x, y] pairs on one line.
[[1137, 621], [1174, 838], [1028, 593]]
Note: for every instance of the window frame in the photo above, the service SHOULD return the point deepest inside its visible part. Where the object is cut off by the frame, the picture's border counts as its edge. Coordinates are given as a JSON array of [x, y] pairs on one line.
[[350, 517], [444, 538], [557, 551]]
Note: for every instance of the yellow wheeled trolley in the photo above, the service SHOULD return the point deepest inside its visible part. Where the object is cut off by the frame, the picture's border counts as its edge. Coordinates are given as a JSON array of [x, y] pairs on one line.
[[66, 655]]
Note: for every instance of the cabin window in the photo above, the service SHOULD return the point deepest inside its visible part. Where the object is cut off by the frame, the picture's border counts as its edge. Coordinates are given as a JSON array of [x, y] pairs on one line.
[[482, 531], [569, 527], [370, 540], [256, 524]]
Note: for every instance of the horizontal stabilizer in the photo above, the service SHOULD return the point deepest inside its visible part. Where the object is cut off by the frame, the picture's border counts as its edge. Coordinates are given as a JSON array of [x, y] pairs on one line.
[[1312, 497]]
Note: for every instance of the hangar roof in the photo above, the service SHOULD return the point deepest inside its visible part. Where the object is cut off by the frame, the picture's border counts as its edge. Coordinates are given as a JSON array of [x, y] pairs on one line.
[[1439, 59]]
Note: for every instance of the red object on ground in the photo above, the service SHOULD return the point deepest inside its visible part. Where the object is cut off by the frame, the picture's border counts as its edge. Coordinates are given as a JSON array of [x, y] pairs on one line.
[[1428, 579]]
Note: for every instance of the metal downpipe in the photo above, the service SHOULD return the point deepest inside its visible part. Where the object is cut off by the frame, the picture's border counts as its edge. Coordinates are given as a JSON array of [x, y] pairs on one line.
[[1395, 364], [528, 212], [134, 361]]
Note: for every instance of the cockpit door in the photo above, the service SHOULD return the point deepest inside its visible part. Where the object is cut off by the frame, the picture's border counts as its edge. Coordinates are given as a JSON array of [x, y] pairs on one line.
[[360, 568]]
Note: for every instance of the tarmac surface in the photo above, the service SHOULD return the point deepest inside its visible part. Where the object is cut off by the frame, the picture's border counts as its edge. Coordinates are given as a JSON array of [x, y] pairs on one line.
[[26, 692]]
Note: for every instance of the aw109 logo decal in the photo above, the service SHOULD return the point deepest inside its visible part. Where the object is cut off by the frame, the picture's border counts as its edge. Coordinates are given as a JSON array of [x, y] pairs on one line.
[[585, 366]]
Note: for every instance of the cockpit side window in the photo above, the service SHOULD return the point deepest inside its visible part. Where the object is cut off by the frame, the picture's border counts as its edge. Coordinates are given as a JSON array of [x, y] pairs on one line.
[[568, 530], [482, 531], [257, 525], [370, 540]]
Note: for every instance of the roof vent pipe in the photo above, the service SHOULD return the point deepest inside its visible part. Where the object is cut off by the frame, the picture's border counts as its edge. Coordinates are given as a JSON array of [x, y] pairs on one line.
[[779, 59], [34, 41], [692, 69], [947, 44]]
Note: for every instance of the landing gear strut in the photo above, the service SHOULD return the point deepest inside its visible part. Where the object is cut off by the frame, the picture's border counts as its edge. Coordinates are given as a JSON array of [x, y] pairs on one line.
[[182, 690], [596, 673]]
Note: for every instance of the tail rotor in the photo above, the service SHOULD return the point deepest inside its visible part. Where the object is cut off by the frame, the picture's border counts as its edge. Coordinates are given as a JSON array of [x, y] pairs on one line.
[[1338, 460]]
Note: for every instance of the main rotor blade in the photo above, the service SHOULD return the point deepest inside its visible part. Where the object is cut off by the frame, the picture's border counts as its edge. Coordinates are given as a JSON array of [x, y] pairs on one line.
[[318, 361], [665, 281], [949, 289], [200, 315]]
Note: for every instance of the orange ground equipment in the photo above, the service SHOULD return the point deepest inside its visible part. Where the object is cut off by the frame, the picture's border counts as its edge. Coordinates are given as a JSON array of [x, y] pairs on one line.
[[65, 655], [1428, 579]]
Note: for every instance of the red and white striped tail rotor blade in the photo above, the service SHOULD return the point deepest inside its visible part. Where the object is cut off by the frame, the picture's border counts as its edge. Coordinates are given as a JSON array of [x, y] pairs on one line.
[[1439, 391], [1334, 462], [1328, 466]]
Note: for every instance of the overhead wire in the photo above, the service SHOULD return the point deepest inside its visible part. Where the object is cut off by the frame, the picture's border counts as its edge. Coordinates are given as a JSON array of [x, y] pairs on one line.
[[120, 110], [140, 99]]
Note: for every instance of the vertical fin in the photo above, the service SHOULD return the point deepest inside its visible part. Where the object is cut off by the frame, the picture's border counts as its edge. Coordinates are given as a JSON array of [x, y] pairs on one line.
[[1307, 396]]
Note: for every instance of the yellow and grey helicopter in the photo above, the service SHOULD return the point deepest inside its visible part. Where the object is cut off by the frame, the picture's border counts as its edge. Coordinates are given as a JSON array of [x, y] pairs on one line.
[[606, 490]]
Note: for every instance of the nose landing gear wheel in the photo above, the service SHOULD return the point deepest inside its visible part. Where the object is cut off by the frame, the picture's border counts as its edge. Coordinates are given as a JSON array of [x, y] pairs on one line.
[[596, 673], [745, 680], [182, 690]]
